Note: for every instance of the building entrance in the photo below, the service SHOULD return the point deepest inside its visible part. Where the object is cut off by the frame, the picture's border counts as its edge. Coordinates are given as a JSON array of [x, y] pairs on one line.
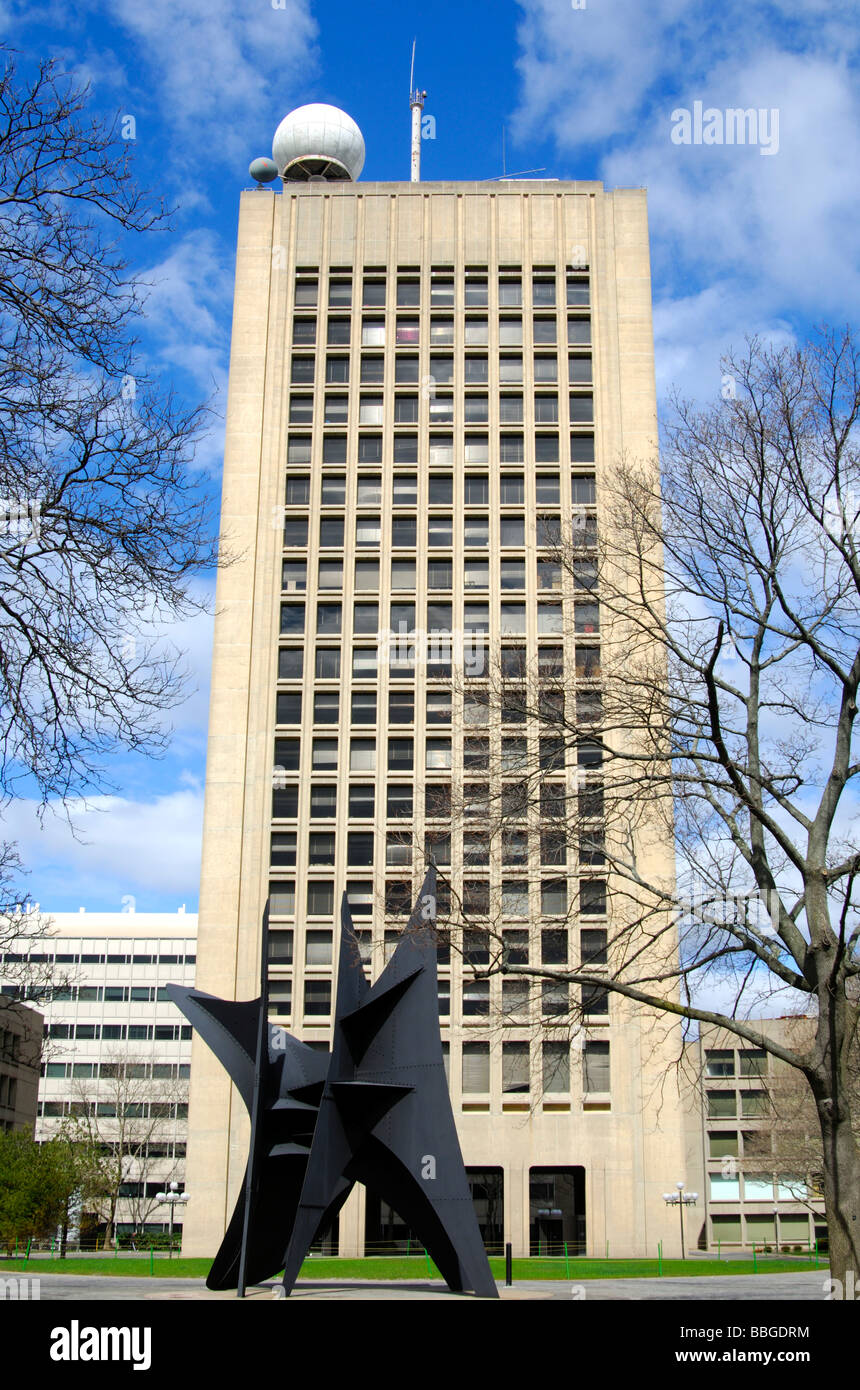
[[557, 1211]]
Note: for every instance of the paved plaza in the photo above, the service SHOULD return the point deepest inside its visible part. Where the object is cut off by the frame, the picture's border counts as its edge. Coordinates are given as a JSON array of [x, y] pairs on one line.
[[774, 1288]]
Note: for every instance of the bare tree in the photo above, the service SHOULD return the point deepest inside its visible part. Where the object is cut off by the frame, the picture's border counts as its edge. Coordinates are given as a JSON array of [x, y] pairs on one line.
[[125, 1121], [29, 972], [103, 523], [698, 764]]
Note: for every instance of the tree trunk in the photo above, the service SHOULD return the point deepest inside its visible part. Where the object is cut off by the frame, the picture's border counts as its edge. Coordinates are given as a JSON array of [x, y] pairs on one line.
[[109, 1225], [841, 1181]]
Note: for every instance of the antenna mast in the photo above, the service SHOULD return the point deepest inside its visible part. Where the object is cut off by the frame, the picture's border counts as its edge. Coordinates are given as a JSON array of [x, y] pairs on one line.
[[416, 102]]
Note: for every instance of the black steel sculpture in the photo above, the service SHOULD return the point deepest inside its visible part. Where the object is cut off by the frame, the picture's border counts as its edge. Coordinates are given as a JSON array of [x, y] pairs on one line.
[[376, 1111], [281, 1082]]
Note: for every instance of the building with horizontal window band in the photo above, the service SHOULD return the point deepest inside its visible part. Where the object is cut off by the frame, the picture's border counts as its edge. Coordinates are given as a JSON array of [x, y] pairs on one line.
[[105, 1008], [753, 1142], [427, 381]]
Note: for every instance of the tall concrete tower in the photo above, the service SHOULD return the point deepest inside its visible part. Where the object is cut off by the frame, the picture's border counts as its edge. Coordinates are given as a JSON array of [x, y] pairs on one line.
[[427, 380]]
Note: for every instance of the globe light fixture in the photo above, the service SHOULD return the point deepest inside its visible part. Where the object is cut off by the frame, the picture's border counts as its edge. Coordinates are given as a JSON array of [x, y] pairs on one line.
[[681, 1199], [170, 1199]]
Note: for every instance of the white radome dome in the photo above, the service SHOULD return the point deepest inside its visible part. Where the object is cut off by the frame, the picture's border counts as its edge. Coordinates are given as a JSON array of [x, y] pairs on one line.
[[318, 141]]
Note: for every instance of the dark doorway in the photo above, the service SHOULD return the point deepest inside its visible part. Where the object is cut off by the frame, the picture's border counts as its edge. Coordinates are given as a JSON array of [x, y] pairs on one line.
[[325, 1242], [487, 1186], [557, 1211], [384, 1231]]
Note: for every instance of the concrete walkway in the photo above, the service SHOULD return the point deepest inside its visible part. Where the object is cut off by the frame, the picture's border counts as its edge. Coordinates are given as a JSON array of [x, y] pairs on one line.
[[776, 1288]]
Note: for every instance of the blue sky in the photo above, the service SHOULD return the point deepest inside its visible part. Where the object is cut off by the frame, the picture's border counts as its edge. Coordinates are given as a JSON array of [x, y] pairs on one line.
[[743, 241]]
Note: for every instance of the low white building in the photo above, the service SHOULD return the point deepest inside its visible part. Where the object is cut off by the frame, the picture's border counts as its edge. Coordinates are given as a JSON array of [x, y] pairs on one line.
[[753, 1145], [117, 1051]]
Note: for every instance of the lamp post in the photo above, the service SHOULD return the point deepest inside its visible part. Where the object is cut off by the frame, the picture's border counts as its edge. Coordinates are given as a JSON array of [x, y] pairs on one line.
[[681, 1199], [170, 1199]]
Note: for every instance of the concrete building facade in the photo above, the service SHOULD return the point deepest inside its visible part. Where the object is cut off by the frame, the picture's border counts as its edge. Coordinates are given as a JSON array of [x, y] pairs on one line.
[[426, 383], [20, 1051]]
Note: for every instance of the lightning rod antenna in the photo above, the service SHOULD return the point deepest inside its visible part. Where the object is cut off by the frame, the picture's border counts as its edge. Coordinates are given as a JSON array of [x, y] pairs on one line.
[[416, 102]]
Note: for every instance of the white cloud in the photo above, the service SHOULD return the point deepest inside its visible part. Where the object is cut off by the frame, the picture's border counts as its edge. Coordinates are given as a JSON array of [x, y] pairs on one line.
[[778, 225], [187, 328], [592, 74], [104, 70], [148, 849], [207, 71], [692, 331], [211, 63], [741, 242], [585, 73], [192, 636], [188, 298], [764, 996]]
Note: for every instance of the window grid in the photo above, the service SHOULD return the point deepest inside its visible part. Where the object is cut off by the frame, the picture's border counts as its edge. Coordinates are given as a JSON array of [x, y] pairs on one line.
[[411, 330]]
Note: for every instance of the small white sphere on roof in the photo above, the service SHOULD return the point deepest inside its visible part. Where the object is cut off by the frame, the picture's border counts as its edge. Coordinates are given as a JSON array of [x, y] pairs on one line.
[[318, 142]]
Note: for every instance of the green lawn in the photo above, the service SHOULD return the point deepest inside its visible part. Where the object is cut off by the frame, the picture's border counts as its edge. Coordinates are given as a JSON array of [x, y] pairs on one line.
[[415, 1267], [176, 1268]]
